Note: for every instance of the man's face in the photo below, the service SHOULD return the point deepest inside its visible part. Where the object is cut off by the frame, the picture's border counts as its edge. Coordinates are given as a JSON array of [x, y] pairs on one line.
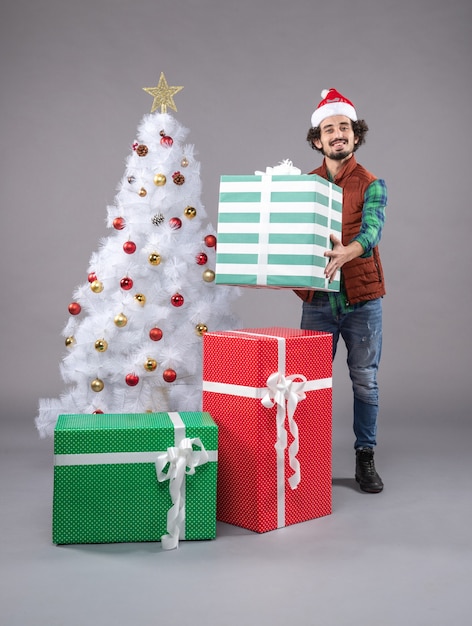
[[337, 139]]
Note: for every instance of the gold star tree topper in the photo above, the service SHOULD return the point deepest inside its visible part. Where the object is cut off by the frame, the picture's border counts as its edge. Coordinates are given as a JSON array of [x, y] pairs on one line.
[[163, 95]]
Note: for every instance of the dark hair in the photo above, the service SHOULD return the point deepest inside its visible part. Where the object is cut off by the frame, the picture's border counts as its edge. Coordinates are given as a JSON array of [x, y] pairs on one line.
[[360, 129]]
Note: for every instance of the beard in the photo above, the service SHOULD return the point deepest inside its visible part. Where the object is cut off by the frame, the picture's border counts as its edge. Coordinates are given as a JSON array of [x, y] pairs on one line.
[[335, 155], [338, 156]]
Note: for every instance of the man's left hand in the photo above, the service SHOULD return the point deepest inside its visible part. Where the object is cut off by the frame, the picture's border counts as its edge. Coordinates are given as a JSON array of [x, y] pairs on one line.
[[339, 255]]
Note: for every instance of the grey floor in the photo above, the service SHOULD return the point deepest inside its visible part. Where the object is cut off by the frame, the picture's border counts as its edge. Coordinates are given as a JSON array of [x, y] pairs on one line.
[[403, 557]]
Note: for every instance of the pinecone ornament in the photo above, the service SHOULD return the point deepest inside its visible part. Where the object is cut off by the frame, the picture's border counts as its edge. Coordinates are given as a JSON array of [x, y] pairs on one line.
[[178, 178]]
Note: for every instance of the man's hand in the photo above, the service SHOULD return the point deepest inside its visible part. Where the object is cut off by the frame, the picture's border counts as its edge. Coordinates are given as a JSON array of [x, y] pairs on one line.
[[340, 255]]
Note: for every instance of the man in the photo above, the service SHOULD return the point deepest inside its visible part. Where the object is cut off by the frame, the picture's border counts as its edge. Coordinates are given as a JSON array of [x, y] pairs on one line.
[[355, 312]]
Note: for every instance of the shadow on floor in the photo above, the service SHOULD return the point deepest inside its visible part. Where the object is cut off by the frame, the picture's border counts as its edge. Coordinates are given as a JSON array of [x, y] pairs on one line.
[[350, 483]]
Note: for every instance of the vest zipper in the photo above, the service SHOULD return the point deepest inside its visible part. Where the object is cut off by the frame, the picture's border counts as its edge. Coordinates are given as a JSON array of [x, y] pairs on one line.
[[379, 275]]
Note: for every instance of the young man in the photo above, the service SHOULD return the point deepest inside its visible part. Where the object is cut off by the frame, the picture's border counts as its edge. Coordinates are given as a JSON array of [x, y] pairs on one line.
[[355, 312]]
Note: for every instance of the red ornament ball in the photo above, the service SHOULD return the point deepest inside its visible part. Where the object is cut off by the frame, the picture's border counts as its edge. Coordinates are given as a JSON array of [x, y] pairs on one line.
[[129, 247], [169, 375], [175, 223], [132, 380], [92, 277], [166, 141], [155, 334], [74, 308], [210, 241], [97, 412], [177, 299], [119, 223], [126, 283], [201, 258]]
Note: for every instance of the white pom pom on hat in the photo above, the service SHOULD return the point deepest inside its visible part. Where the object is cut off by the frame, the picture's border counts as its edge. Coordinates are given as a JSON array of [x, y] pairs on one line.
[[332, 103]]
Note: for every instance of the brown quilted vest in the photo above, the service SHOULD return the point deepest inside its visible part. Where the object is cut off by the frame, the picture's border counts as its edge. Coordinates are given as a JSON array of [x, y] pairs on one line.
[[363, 277]]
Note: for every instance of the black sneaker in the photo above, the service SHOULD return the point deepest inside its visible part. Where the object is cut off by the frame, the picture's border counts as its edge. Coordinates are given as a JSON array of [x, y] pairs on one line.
[[366, 474]]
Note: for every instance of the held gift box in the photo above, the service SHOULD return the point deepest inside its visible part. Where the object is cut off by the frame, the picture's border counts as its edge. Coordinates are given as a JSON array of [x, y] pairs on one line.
[[273, 230], [269, 390], [135, 477]]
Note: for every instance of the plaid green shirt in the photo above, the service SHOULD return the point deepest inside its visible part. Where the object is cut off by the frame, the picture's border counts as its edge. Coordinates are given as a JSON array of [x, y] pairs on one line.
[[373, 219]]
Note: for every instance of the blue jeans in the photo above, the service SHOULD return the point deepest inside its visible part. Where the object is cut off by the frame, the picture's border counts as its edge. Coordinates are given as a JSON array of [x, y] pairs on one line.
[[361, 330]]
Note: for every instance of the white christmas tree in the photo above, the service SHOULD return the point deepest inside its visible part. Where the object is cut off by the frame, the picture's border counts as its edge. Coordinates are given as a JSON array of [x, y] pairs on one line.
[[134, 335]]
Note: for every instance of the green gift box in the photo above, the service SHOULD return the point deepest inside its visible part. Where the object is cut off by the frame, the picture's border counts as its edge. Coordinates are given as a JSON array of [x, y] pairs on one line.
[[273, 230], [135, 477]]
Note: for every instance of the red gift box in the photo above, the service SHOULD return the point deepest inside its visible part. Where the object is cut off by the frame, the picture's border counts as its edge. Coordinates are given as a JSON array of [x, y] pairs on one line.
[[269, 390]]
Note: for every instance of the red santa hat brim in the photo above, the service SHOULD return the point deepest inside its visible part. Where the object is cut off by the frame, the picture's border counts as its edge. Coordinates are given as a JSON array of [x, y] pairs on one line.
[[333, 103]]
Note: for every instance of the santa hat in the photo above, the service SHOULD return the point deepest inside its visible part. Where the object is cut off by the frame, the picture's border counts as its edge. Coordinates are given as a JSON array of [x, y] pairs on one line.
[[333, 103]]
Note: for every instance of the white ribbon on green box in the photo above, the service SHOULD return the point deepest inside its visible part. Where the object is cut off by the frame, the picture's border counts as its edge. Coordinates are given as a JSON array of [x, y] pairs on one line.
[[180, 460], [285, 392], [273, 230]]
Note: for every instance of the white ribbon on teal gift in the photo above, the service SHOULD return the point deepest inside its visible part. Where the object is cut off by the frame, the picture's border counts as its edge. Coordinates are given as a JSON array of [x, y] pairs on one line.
[[264, 228], [286, 393], [285, 167], [180, 461]]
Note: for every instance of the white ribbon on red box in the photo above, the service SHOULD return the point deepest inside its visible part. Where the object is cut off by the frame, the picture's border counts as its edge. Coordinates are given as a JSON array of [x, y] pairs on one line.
[[284, 392]]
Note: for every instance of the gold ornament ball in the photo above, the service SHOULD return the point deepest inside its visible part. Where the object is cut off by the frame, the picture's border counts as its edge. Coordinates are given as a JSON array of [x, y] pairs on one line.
[[159, 180], [184, 162], [154, 258], [208, 276], [69, 341], [201, 329], [101, 345], [142, 192], [120, 320], [150, 365], [190, 212], [140, 299], [96, 286], [97, 385]]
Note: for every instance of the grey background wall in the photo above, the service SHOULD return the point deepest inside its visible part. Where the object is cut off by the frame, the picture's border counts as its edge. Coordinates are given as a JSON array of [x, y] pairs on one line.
[[71, 78]]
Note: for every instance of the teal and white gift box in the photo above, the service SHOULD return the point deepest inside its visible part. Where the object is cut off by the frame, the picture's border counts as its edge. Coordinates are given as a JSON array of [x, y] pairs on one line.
[[273, 230], [135, 477]]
